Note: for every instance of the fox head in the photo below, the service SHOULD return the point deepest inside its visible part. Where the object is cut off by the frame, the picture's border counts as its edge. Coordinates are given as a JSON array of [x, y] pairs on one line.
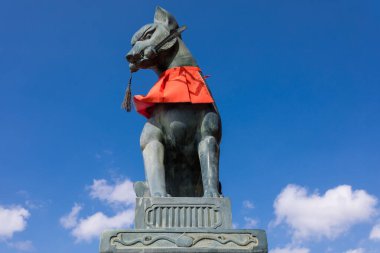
[[143, 54]]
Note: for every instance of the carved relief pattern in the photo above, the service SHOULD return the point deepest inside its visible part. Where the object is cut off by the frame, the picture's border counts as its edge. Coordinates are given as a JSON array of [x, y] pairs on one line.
[[193, 240], [183, 216]]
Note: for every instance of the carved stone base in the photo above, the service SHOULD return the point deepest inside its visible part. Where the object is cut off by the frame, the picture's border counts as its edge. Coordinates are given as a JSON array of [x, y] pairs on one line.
[[184, 240], [177, 213]]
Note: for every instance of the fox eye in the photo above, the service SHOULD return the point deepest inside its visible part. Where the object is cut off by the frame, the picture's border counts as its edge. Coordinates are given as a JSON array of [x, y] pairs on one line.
[[148, 36]]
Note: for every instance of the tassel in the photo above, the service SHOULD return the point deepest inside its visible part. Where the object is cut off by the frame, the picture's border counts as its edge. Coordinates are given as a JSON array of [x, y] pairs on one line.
[[126, 105]]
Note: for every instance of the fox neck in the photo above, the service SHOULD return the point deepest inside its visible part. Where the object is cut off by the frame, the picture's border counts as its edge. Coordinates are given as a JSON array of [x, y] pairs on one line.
[[178, 55]]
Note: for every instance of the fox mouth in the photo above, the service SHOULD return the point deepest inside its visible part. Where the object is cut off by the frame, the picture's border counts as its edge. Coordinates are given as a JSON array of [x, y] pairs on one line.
[[133, 67], [139, 64], [142, 63]]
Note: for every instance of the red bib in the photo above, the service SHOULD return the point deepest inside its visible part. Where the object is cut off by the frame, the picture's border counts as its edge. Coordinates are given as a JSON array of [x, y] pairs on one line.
[[175, 85]]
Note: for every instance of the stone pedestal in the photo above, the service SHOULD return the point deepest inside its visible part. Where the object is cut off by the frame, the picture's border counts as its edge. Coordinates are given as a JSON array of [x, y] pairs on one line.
[[183, 225]]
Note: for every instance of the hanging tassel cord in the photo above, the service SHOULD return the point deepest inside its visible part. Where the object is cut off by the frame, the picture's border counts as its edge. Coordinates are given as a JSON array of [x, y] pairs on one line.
[[127, 102]]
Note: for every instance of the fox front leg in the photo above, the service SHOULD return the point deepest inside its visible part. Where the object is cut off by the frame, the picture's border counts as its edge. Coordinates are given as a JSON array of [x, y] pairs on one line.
[[153, 154], [208, 151]]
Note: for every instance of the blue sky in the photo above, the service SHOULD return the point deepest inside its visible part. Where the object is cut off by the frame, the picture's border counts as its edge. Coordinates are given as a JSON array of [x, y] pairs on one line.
[[298, 88]]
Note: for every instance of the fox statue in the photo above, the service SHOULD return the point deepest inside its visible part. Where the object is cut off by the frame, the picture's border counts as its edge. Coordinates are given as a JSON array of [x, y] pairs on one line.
[[180, 140]]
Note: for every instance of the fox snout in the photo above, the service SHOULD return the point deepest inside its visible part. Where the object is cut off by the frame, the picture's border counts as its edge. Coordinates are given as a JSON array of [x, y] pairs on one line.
[[134, 56], [138, 57]]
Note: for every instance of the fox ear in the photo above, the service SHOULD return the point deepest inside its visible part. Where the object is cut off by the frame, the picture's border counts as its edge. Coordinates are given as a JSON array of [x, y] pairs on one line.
[[162, 16]]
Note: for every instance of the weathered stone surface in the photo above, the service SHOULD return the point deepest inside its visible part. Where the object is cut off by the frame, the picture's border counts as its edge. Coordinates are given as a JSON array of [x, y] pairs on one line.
[[184, 240], [180, 140], [206, 213]]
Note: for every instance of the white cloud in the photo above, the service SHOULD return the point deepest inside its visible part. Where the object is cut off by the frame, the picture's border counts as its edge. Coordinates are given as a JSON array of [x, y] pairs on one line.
[[92, 226], [250, 223], [290, 249], [71, 220], [327, 215], [21, 245], [375, 232], [120, 193], [359, 250], [12, 220], [248, 204]]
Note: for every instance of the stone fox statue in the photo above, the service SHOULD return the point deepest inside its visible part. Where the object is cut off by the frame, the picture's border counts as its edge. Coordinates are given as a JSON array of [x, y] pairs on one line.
[[180, 141]]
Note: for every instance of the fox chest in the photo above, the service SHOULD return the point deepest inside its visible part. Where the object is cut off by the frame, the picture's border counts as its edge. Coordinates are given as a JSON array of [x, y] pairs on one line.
[[181, 122]]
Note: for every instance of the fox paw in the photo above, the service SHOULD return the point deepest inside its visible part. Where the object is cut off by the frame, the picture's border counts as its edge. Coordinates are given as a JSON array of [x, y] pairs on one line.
[[211, 194], [160, 195]]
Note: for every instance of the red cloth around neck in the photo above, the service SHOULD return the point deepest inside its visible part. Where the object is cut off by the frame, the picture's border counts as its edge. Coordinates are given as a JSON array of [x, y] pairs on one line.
[[176, 85]]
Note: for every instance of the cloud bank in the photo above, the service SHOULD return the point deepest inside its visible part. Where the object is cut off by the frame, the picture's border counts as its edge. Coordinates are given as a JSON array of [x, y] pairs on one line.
[[328, 215], [120, 195], [12, 220], [91, 227], [71, 220]]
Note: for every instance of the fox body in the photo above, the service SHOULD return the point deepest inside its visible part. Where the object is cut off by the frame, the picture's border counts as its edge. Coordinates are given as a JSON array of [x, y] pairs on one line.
[[180, 141]]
